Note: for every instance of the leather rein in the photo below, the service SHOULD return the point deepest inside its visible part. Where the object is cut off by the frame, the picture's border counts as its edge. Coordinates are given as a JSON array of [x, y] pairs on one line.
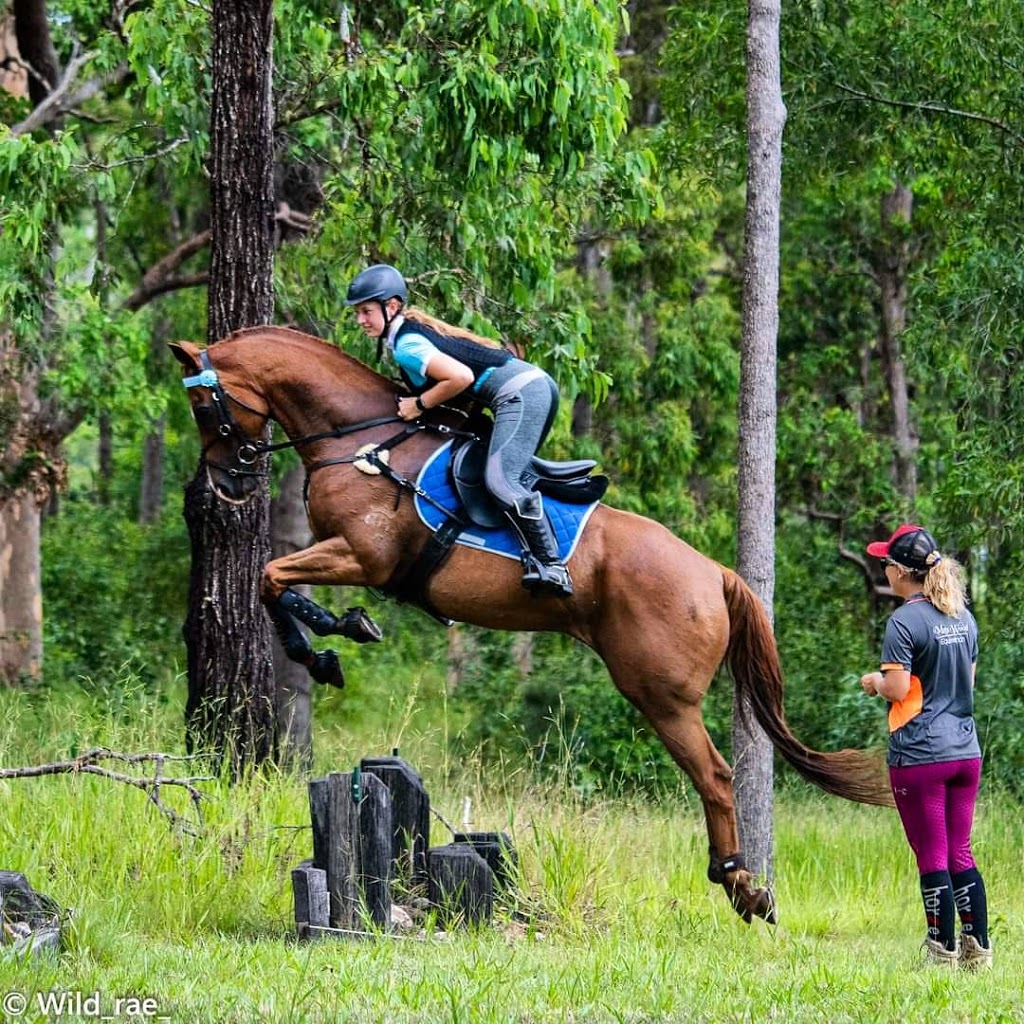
[[250, 450]]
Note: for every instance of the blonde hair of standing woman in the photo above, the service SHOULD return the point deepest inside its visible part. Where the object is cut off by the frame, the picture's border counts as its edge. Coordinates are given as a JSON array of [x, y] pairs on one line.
[[943, 585]]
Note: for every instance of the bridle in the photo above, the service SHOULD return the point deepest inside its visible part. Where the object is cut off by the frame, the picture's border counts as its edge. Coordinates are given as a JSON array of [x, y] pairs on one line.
[[249, 450]]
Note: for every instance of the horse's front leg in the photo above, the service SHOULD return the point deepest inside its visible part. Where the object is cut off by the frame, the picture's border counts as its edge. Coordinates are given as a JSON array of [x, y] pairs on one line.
[[328, 563], [323, 666]]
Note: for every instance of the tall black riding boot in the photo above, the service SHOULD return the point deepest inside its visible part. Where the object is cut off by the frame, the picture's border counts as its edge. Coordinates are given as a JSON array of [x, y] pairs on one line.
[[544, 573]]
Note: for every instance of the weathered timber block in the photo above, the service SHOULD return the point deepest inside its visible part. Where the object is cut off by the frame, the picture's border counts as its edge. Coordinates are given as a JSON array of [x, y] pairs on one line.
[[333, 814], [460, 885], [496, 848], [30, 920], [376, 829], [351, 817], [410, 809], [312, 900]]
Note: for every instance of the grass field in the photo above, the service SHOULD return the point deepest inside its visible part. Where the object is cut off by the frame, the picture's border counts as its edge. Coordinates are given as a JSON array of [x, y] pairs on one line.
[[615, 921]]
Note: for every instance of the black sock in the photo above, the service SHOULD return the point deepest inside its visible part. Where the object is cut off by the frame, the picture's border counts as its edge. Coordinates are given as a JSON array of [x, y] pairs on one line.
[[971, 903], [939, 909]]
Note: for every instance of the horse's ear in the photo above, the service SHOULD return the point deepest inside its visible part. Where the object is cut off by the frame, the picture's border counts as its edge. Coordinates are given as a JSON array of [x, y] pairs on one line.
[[186, 353]]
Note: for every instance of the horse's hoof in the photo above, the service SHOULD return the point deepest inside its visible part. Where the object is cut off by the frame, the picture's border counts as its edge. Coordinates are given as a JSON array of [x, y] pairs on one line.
[[326, 668], [357, 626], [742, 907], [764, 905], [759, 903]]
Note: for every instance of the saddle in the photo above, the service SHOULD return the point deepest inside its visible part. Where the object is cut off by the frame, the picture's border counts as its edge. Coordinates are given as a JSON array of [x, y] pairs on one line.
[[572, 482]]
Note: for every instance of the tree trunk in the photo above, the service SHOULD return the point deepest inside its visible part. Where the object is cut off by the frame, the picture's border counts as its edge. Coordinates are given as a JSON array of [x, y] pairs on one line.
[[893, 271], [35, 45], [151, 490], [289, 531], [104, 460], [231, 703], [21, 609], [30, 436], [766, 115]]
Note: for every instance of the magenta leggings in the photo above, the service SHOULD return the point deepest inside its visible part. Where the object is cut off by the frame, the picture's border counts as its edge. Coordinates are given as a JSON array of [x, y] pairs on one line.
[[936, 805]]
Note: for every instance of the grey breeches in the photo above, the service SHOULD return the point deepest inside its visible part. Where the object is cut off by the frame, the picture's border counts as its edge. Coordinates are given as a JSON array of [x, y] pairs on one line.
[[524, 400]]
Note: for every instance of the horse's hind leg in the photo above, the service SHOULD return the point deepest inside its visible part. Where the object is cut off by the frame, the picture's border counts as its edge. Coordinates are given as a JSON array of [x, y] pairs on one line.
[[669, 696], [686, 739]]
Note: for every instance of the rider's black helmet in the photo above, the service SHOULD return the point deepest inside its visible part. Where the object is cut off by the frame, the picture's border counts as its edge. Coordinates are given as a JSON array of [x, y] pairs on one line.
[[377, 283]]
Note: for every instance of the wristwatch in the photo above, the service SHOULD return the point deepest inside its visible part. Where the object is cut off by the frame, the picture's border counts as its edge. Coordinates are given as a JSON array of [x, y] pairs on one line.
[[420, 405]]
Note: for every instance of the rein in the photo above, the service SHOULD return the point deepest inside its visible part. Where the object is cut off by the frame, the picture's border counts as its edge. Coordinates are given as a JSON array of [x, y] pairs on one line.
[[249, 450]]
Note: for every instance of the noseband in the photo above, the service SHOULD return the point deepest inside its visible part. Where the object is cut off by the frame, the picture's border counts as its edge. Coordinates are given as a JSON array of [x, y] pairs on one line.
[[248, 451]]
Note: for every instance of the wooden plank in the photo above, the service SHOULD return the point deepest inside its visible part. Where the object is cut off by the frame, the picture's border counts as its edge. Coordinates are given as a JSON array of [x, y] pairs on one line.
[[312, 901], [410, 808], [374, 862], [460, 885], [496, 848], [335, 827]]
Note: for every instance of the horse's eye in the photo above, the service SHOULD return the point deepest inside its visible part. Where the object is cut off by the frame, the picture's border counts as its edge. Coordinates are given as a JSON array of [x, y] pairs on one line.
[[204, 415]]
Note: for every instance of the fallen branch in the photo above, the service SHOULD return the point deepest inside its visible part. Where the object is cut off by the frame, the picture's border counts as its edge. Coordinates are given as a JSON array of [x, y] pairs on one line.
[[89, 764]]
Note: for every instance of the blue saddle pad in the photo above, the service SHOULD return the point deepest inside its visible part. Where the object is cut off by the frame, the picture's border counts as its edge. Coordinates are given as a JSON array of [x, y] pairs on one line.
[[567, 521]]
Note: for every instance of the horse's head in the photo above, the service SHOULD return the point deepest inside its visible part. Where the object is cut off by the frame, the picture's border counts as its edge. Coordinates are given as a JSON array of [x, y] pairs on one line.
[[230, 427]]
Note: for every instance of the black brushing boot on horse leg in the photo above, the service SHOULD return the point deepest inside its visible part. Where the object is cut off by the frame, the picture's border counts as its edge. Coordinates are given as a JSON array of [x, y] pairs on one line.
[[354, 625], [323, 666], [544, 573]]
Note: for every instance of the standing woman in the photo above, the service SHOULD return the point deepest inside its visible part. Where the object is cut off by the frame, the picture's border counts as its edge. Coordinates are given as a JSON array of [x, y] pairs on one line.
[[438, 361], [929, 656]]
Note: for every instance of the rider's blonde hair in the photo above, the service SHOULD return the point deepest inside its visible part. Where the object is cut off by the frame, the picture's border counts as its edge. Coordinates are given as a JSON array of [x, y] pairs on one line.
[[413, 313], [943, 585]]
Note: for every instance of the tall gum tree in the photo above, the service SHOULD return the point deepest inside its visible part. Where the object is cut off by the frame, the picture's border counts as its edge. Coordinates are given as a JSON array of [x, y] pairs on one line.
[[766, 116], [231, 697]]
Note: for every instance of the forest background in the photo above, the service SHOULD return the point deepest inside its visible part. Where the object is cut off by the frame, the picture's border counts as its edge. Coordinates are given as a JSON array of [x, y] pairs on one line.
[[567, 176]]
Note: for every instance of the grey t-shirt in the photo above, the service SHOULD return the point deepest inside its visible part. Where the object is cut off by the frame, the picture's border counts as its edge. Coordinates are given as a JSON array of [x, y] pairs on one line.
[[934, 722]]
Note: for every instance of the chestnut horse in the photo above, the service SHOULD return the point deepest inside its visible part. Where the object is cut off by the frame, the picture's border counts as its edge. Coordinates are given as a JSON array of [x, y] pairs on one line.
[[662, 616]]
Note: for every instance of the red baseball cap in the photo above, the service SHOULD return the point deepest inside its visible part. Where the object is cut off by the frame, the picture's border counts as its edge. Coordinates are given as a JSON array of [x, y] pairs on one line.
[[910, 545]]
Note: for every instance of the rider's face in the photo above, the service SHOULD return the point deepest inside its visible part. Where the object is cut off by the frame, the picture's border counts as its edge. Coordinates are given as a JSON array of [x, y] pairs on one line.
[[370, 318]]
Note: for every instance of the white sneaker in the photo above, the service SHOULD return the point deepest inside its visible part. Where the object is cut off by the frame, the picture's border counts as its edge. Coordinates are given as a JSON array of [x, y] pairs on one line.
[[936, 955], [973, 956]]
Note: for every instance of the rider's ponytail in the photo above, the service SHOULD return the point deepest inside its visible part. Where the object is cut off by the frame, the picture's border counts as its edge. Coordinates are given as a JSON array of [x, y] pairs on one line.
[[413, 313]]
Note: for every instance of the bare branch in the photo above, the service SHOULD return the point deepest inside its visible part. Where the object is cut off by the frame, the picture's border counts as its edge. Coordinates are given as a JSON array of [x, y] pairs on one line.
[[142, 158], [89, 764], [934, 108], [60, 102], [161, 277], [296, 116], [154, 281]]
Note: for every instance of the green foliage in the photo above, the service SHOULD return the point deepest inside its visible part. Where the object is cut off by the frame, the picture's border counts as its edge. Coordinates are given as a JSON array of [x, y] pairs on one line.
[[522, 106], [564, 718], [114, 597]]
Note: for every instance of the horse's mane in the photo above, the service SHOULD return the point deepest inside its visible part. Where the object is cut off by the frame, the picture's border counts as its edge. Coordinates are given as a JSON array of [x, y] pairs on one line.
[[319, 349]]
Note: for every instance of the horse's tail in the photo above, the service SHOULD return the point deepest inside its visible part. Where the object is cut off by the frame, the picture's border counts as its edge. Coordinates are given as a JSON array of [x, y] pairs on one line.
[[753, 660]]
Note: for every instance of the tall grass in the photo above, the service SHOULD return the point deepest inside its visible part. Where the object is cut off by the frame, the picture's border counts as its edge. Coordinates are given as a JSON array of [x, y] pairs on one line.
[[615, 920]]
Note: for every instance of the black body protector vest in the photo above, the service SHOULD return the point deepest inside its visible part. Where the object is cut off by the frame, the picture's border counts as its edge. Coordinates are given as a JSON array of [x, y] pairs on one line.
[[470, 353]]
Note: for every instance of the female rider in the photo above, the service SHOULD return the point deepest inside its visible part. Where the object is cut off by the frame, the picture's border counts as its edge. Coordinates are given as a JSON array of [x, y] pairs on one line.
[[439, 361]]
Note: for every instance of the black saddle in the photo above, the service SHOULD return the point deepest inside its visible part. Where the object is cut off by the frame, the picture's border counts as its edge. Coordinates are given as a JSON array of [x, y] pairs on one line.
[[571, 482]]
